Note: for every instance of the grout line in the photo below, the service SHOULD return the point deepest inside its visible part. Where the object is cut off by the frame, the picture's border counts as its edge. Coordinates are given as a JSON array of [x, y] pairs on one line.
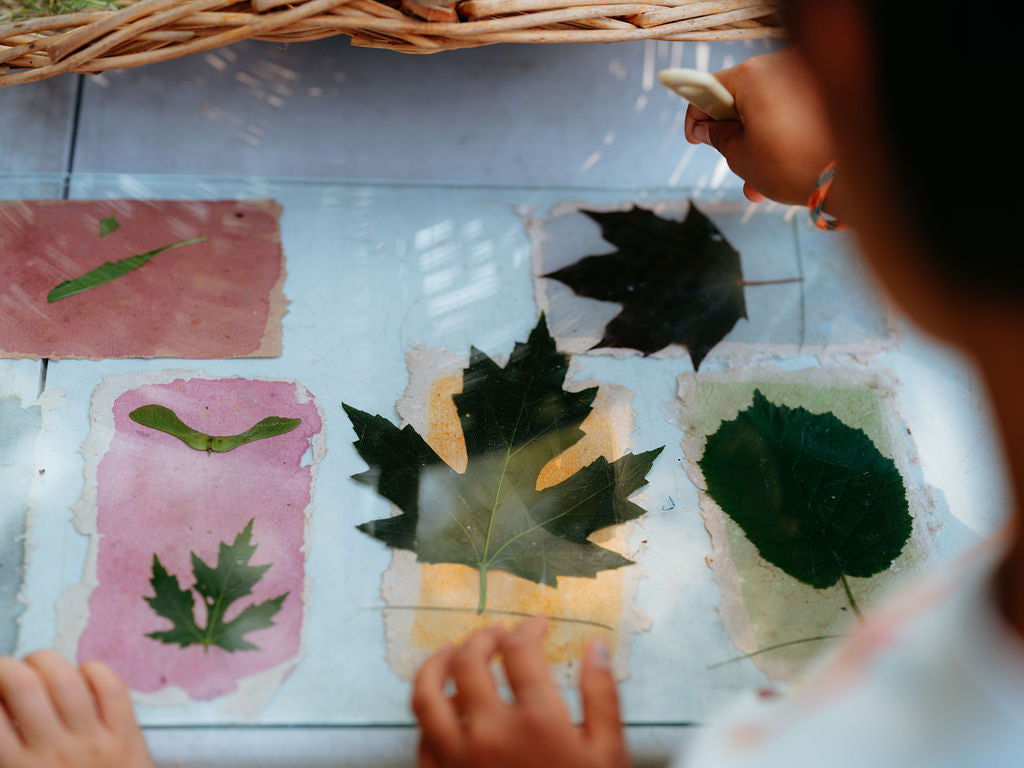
[[44, 364], [76, 115], [803, 289], [65, 190]]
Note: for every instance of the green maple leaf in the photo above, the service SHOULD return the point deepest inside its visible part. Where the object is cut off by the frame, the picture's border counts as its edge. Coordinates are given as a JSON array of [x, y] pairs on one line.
[[232, 579], [514, 420], [815, 496]]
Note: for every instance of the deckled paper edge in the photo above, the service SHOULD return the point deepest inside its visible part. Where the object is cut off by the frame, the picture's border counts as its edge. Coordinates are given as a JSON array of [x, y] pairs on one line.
[[726, 354], [271, 341], [921, 497], [48, 402], [253, 692], [400, 582]]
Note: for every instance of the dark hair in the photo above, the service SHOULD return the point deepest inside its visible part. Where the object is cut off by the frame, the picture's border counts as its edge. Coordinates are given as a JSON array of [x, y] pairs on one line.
[[946, 69]]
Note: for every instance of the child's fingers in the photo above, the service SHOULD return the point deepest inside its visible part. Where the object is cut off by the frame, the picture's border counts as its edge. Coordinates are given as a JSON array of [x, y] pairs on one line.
[[527, 669], [439, 722], [28, 703], [732, 79], [426, 757], [10, 742], [694, 115], [68, 690], [602, 722], [113, 701], [724, 135], [471, 669], [752, 194]]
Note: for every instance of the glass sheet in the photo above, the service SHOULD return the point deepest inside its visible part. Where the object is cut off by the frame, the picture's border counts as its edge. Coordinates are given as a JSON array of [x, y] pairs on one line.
[[374, 270]]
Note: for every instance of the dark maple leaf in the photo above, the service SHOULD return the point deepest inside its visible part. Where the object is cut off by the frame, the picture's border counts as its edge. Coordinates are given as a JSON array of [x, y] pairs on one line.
[[677, 282], [492, 517]]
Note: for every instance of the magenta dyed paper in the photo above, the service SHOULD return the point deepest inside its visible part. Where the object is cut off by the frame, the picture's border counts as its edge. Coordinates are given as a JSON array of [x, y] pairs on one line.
[[154, 494], [216, 299]]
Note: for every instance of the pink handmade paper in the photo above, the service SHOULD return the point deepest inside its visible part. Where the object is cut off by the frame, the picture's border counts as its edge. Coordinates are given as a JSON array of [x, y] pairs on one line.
[[157, 495], [215, 299]]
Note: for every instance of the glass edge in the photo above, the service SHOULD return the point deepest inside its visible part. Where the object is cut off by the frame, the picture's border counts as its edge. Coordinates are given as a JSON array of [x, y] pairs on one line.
[[113, 179]]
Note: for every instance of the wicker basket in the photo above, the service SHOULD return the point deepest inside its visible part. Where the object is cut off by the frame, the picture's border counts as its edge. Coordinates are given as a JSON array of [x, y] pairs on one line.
[[155, 30]]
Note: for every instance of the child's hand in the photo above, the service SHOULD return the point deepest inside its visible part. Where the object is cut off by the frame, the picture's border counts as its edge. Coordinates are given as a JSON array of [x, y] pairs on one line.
[[476, 728], [56, 716], [783, 142]]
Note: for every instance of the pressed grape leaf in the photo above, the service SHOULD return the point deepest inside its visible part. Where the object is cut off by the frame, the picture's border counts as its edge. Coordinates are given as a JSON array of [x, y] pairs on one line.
[[219, 588], [815, 496], [677, 282], [161, 418], [111, 270], [492, 517]]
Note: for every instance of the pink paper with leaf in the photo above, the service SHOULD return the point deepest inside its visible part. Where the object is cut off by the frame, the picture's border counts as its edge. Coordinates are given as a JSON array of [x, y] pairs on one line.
[[219, 298], [156, 495]]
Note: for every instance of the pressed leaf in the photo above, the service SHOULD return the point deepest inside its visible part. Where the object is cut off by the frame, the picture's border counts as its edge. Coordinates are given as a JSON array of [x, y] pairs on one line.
[[108, 225], [514, 421], [172, 602], [218, 587], [164, 419], [272, 426], [815, 496], [677, 282], [111, 270]]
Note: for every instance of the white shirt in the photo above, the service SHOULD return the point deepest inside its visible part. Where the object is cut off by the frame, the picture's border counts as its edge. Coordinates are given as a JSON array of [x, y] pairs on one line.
[[932, 679]]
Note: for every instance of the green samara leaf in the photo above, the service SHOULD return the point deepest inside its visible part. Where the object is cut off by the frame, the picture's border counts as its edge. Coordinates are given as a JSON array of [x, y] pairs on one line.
[[109, 225], [514, 420], [815, 496], [161, 418], [218, 587], [272, 426], [110, 271]]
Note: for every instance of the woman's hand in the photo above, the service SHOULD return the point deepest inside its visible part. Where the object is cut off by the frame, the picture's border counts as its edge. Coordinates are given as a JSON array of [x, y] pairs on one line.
[[54, 715], [476, 728], [783, 142]]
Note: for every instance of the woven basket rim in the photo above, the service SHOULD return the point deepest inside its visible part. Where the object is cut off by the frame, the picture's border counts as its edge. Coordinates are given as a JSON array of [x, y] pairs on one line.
[[149, 31]]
